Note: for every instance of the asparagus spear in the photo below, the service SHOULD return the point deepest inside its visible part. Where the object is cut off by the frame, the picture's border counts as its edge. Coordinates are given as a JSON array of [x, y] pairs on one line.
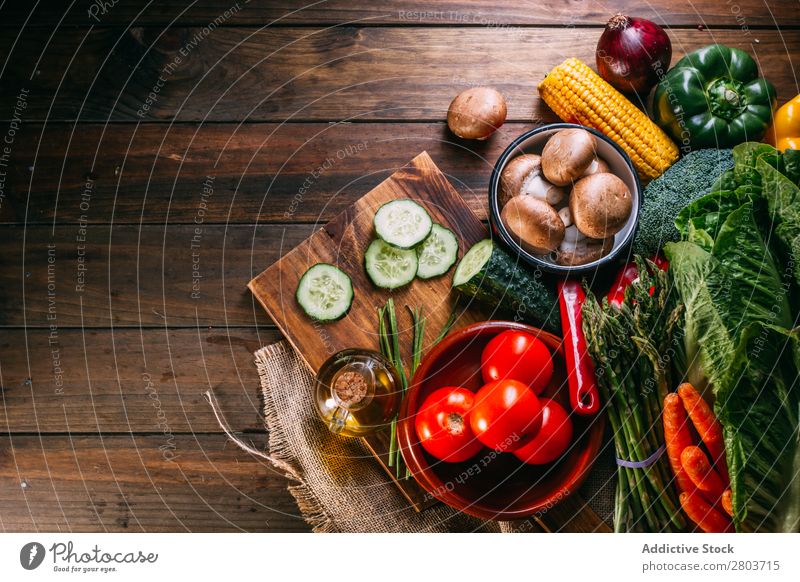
[[625, 344]]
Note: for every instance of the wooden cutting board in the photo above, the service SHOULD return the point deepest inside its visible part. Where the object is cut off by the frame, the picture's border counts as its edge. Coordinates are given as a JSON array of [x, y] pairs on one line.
[[342, 242]]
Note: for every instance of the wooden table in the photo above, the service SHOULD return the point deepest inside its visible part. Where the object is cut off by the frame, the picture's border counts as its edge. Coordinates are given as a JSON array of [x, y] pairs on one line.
[[158, 155]]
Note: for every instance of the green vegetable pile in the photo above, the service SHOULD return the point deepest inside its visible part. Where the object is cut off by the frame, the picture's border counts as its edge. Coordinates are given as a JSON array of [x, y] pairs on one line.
[[687, 180], [737, 272]]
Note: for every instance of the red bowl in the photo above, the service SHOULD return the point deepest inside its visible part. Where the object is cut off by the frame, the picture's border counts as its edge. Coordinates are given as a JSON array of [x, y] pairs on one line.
[[493, 485]]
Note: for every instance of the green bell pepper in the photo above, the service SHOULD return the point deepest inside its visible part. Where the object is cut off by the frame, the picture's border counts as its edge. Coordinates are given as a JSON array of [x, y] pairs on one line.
[[713, 97]]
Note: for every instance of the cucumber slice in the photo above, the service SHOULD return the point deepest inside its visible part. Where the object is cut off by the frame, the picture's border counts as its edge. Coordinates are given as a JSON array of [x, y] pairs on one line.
[[437, 253], [506, 285], [473, 262], [402, 223], [324, 292], [389, 267]]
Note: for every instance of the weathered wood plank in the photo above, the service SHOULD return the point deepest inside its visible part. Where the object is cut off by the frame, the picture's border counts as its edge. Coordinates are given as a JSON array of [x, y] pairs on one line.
[[307, 74], [488, 13], [140, 483], [154, 173], [125, 381], [131, 276]]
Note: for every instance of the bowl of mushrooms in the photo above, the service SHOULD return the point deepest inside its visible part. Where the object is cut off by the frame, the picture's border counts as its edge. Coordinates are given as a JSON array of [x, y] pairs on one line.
[[565, 197]]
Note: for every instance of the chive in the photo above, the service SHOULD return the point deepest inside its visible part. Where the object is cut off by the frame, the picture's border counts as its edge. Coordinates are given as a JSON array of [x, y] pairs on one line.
[[418, 325], [389, 342], [451, 319], [393, 443]]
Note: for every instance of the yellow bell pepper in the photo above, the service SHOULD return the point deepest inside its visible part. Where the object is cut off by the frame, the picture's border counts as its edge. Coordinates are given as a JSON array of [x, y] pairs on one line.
[[784, 133]]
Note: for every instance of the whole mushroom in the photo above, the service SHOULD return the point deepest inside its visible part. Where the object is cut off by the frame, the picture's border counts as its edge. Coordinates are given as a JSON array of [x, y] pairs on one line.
[[567, 155], [600, 205], [583, 251], [523, 175], [533, 223], [476, 113]]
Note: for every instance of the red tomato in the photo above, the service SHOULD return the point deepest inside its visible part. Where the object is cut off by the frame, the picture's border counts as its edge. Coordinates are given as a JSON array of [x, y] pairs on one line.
[[517, 355], [443, 427], [506, 415], [553, 439]]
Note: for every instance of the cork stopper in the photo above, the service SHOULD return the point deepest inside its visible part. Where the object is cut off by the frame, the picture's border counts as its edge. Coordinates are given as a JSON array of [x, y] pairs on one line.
[[350, 388]]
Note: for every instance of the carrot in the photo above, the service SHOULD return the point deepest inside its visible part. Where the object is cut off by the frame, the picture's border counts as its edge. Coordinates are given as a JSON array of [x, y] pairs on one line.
[[706, 517], [707, 425], [695, 462], [727, 502], [677, 437]]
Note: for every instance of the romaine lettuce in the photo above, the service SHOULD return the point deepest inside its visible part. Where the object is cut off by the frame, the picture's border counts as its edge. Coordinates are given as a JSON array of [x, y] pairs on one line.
[[737, 318], [783, 198]]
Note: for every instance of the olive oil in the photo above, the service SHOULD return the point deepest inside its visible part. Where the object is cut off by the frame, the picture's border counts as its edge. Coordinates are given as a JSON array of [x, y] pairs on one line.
[[357, 392]]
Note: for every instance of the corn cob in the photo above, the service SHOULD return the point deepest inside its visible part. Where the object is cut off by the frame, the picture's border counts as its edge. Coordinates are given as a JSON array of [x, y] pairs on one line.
[[579, 95]]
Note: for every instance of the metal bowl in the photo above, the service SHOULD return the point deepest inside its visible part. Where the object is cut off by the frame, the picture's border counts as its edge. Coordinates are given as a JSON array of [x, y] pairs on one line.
[[532, 142]]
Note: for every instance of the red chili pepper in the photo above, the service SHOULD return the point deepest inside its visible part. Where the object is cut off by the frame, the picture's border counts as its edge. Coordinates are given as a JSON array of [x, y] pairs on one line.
[[630, 274], [583, 394], [626, 276]]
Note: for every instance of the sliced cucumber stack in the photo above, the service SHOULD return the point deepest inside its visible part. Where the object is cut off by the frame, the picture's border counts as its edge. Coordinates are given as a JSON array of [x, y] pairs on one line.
[[325, 292], [402, 223], [437, 253], [390, 267]]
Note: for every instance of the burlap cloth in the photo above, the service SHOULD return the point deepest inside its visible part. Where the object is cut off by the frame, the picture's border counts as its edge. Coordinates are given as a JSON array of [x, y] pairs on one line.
[[338, 485]]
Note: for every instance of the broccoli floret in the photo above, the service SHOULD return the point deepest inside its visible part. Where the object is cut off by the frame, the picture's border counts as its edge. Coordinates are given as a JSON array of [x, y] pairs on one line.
[[687, 180]]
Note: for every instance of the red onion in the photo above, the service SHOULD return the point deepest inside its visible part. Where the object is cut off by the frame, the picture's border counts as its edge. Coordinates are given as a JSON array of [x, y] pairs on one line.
[[633, 53]]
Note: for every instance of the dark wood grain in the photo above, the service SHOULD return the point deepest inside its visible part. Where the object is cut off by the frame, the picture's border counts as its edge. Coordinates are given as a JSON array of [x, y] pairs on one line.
[[137, 275], [154, 173], [390, 71], [132, 483], [126, 381], [297, 74], [572, 514], [488, 13]]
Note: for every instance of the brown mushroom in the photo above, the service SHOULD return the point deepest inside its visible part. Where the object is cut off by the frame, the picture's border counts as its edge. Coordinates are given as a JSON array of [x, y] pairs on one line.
[[533, 223], [523, 175], [567, 155], [583, 251], [476, 113], [513, 176], [600, 205], [598, 166]]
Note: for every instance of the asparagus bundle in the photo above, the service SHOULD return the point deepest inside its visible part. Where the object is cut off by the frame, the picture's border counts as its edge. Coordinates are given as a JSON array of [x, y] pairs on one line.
[[627, 344]]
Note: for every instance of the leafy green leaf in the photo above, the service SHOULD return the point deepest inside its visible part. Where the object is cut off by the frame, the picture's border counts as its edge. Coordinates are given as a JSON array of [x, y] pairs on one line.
[[707, 342], [783, 199], [757, 405], [791, 165], [745, 280], [745, 157], [709, 212]]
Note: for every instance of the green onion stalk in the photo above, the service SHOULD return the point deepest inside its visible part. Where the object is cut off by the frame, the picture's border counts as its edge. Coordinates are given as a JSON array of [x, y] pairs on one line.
[[629, 346], [389, 339]]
